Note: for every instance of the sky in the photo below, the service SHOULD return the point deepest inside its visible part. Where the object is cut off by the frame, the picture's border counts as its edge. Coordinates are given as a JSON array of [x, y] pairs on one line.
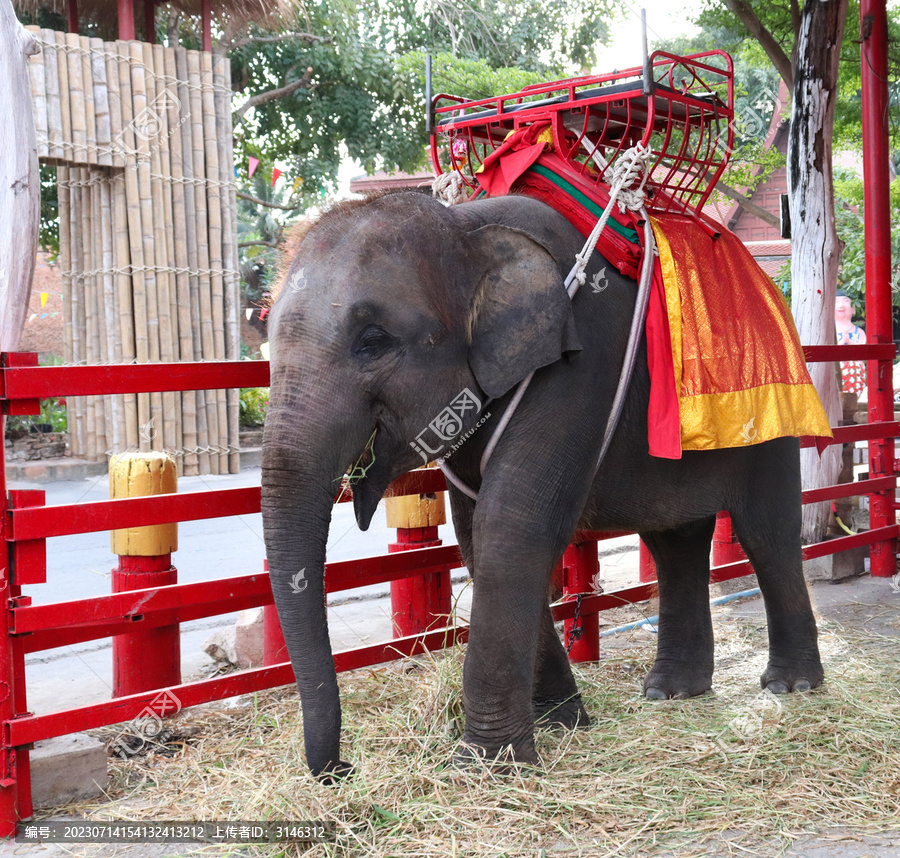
[[663, 17]]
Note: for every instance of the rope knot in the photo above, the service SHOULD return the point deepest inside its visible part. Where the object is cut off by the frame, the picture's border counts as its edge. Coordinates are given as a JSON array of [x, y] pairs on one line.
[[448, 188]]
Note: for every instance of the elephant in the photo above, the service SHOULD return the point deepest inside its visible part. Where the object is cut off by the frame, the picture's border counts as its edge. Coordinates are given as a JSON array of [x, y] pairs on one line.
[[395, 307]]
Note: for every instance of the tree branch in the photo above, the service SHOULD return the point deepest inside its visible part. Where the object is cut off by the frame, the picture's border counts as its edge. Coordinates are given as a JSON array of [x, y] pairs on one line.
[[748, 205], [259, 243], [284, 37], [260, 202], [782, 62], [272, 94]]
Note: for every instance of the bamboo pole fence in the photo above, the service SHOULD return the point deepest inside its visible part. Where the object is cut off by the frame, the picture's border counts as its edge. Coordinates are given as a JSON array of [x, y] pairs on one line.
[[141, 138]]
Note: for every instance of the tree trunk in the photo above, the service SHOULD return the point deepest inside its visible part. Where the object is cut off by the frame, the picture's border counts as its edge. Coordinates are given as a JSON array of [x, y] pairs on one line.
[[20, 193], [816, 248]]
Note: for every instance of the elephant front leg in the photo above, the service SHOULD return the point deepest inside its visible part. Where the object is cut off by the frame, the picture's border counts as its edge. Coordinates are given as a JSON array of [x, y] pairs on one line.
[[557, 702], [498, 676], [684, 654]]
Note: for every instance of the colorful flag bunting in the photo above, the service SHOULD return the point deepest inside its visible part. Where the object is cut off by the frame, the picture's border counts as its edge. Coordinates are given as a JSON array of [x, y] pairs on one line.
[[248, 313], [32, 317], [263, 313], [44, 297], [275, 174], [254, 163], [44, 315], [297, 182], [264, 350]]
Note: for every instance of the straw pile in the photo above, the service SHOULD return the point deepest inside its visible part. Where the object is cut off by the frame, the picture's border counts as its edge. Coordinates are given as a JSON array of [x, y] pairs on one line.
[[141, 135], [732, 771]]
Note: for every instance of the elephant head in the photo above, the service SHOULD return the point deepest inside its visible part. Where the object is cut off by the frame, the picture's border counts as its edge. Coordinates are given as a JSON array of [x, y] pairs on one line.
[[390, 310]]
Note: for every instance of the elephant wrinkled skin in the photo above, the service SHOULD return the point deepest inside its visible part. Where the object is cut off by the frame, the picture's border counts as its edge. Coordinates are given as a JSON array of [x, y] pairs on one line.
[[391, 310]]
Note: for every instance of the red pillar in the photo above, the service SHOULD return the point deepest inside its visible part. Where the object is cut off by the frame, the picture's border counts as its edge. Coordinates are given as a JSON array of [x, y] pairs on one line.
[[72, 10], [126, 19], [148, 659], [879, 323], [419, 602], [206, 24], [581, 565]]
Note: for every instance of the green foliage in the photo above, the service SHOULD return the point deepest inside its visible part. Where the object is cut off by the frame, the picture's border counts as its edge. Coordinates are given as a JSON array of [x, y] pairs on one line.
[[776, 17], [254, 402], [850, 217], [366, 98]]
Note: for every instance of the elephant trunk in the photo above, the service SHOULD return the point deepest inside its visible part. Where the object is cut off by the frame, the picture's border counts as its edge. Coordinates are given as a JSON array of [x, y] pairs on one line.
[[298, 487]]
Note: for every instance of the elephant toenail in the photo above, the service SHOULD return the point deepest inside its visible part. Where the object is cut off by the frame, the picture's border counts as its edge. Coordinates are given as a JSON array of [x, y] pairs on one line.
[[655, 694], [681, 695], [802, 685], [776, 686]]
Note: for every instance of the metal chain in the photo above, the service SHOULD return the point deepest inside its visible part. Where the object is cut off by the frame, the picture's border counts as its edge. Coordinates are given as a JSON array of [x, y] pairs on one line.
[[577, 629]]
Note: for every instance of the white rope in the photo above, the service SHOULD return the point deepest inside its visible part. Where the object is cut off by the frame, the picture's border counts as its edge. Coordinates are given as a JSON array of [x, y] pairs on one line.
[[448, 188], [632, 165]]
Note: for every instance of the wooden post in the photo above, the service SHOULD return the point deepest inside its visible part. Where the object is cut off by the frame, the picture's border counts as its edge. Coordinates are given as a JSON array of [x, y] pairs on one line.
[[144, 660], [197, 463], [222, 82], [419, 602], [19, 177], [72, 14]]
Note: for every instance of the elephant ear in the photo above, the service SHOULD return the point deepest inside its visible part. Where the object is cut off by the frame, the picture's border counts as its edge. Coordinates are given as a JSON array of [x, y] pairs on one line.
[[521, 318]]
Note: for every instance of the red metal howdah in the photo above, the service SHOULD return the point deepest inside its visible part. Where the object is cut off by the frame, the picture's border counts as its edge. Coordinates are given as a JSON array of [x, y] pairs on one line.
[[687, 122]]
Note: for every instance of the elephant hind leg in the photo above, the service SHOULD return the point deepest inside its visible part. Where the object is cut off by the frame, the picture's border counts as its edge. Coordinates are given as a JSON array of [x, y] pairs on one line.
[[770, 535], [557, 702], [684, 654]]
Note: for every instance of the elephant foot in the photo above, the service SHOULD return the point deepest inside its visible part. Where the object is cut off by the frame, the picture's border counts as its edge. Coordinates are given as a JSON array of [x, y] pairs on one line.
[[335, 773], [676, 682], [500, 761], [784, 677], [566, 714]]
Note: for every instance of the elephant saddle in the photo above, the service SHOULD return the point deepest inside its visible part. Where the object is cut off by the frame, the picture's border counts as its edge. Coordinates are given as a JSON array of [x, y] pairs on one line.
[[726, 365]]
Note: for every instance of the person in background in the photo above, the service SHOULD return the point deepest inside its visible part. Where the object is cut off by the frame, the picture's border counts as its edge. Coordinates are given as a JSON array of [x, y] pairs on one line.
[[853, 372]]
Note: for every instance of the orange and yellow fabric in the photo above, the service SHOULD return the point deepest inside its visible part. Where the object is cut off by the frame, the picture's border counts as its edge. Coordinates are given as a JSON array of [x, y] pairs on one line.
[[733, 373]]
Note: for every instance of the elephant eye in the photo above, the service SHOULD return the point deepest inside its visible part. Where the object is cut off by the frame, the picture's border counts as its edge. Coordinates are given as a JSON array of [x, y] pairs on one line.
[[372, 342]]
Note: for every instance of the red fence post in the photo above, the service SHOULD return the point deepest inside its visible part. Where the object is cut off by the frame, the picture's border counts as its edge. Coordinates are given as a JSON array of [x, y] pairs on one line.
[[725, 547], [10, 775], [148, 659], [421, 601], [274, 647], [879, 318], [581, 566], [648, 565]]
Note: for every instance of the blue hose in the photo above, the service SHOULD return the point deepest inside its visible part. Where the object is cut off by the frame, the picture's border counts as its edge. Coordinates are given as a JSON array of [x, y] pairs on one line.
[[653, 621]]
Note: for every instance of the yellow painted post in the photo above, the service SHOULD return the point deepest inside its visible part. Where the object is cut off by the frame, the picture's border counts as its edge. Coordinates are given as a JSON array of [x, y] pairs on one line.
[[148, 659], [419, 602]]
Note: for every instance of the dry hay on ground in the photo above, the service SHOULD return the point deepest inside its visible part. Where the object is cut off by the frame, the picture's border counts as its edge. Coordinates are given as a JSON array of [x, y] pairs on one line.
[[720, 774]]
